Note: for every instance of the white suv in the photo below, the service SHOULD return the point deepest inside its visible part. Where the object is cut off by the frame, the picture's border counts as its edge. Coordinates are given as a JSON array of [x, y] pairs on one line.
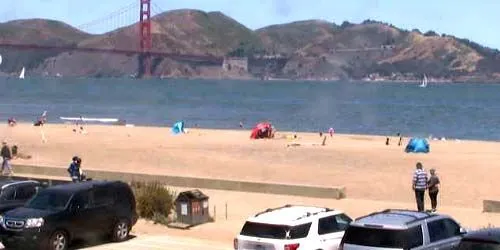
[[293, 228]]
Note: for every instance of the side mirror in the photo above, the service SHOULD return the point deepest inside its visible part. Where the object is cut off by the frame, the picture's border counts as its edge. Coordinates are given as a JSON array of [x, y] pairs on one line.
[[463, 230]]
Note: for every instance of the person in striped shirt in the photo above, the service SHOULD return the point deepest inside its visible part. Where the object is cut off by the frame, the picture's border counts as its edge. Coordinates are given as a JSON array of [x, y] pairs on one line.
[[420, 185]]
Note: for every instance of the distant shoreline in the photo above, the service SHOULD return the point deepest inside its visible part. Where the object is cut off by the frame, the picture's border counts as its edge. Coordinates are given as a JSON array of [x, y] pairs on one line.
[[408, 81]]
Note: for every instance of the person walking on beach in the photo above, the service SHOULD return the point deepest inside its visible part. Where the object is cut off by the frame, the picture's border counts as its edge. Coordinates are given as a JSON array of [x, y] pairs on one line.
[[331, 131], [420, 185], [433, 186], [74, 169], [6, 156]]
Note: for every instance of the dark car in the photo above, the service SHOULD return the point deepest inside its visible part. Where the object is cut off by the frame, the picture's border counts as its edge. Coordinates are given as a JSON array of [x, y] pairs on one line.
[[485, 239], [14, 194], [59, 214]]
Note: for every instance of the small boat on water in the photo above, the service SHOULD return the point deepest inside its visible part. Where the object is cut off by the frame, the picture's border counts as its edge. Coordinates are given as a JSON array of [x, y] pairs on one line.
[[89, 119], [23, 72], [424, 82]]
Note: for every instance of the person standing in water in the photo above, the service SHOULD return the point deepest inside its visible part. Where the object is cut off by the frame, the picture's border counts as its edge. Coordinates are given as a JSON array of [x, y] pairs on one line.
[[433, 186]]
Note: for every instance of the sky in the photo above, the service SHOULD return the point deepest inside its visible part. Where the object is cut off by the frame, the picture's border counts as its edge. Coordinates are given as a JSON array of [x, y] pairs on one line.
[[475, 20]]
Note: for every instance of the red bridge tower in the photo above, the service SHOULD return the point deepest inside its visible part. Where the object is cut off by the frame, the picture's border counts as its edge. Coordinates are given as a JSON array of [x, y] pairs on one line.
[[146, 41]]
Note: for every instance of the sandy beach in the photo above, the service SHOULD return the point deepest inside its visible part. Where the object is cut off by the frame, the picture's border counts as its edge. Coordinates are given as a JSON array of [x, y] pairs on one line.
[[376, 176], [363, 164]]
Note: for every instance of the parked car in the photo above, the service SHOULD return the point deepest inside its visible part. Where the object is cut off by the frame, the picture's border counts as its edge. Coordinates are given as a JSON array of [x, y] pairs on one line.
[[14, 194], [293, 228], [485, 239], [402, 229], [58, 214]]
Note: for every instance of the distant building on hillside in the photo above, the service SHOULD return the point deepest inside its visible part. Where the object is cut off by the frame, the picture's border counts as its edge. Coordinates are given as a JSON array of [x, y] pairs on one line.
[[235, 64]]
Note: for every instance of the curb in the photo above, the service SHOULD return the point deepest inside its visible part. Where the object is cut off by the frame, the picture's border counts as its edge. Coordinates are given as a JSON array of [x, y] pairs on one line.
[[195, 182]]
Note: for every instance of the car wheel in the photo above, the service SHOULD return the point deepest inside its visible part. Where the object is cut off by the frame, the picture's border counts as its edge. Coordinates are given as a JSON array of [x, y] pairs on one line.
[[121, 231], [58, 241]]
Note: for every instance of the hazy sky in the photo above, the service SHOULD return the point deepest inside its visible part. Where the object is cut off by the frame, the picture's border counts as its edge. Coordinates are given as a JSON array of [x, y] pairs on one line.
[[469, 19]]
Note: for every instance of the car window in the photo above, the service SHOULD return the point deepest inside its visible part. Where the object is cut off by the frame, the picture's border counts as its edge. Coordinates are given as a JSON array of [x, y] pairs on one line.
[[332, 224], [442, 229], [273, 231], [81, 201], [300, 231], [25, 192], [415, 237], [8, 194], [125, 197], [343, 221], [384, 238], [50, 200], [103, 196], [452, 227]]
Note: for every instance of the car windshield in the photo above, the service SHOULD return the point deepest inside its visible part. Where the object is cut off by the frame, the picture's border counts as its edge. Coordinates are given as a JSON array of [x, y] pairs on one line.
[[273, 231], [49, 200], [384, 238], [478, 245]]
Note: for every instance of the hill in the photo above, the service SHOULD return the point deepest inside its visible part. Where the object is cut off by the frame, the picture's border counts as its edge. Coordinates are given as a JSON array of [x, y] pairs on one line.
[[180, 31], [310, 49], [319, 49], [35, 31]]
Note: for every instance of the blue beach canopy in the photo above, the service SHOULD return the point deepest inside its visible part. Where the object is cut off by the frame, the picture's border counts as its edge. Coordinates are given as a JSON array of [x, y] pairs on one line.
[[178, 127], [417, 145]]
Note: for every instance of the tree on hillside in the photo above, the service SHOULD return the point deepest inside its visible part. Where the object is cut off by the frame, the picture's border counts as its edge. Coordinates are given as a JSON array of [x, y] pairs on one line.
[[431, 33]]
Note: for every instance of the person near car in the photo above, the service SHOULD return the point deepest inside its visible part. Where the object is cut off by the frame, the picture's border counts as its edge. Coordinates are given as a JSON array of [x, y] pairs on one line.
[[420, 185], [433, 187], [83, 177], [74, 169], [6, 157]]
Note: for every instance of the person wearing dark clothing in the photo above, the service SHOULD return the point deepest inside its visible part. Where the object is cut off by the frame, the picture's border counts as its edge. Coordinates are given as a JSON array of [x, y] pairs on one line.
[[433, 187], [74, 169], [6, 156], [419, 186]]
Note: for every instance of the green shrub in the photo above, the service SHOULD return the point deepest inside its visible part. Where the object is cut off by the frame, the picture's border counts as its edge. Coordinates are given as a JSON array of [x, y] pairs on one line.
[[154, 201]]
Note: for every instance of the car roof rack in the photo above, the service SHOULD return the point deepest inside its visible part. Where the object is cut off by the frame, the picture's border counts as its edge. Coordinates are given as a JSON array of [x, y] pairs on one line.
[[324, 210], [272, 209]]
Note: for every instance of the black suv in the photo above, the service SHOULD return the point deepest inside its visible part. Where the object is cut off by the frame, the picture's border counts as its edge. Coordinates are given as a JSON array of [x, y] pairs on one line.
[[58, 214], [14, 194]]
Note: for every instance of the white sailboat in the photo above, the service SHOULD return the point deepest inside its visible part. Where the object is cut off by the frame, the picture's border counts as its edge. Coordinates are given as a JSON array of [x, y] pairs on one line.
[[424, 82], [1, 59], [23, 71]]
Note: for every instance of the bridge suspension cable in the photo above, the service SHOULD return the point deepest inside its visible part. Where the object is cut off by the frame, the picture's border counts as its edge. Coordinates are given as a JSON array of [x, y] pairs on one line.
[[124, 16]]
